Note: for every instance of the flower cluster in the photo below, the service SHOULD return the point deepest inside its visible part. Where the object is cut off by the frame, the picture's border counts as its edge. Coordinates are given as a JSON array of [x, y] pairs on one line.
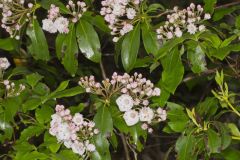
[[135, 92], [12, 89], [120, 15], [183, 20], [15, 14], [57, 23], [134, 113], [74, 132], [4, 64]]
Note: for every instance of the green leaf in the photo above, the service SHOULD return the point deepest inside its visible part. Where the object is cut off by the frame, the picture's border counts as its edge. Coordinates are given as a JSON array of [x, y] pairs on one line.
[[214, 141], [67, 154], [231, 154], [103, 120], [209, 5], [168, 46], [177, 117], [237, 22], [6, 130], [11, 106], [173, 71], [60, 45], [18, 71], [130, 47], [30, 132], [149, 37], [7, 44], [221, 12], [225, 136], [102, 148], [38, 47], [35, 155], [88, 41], [33, 79], [31, 104], [70, 49], [24, 147], [68, 92], [63, 85], [197, 57], [43, 114], [208, 107], [234, 129], [185, 148], [51, 142]]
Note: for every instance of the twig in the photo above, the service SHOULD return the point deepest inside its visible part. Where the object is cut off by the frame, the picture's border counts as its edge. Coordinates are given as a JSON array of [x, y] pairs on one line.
[[227, 5], [103, 70], [125, 147]]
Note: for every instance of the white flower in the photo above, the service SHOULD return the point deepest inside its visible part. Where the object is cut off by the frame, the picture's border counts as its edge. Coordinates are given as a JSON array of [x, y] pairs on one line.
[[162, 114], [126, 28], [124, 102], [49, 26], [61, 24], [115, 39], [91, 147], [192, 29], [131, 13], [4, 63], [78, 147], [131, 117], [207, 16], [169, 35], [118, 10], [68, 143], [78, 119], [178, 32], [64, 132], [156, 92], [201, 28], [146, 114]]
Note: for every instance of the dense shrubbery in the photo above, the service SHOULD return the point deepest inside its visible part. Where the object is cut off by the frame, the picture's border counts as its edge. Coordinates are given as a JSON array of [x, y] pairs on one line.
[[164, 76]]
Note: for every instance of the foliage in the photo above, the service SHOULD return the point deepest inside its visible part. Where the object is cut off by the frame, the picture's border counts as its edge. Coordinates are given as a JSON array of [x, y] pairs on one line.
[[190, 95]]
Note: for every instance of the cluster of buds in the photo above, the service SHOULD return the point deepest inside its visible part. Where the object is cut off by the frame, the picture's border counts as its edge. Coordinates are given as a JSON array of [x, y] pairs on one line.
[[57, 23], [12, 89], [120, 15], [15, 14], [75, 132], [137, 86], [135, 92], [4, 64], [179, 21]]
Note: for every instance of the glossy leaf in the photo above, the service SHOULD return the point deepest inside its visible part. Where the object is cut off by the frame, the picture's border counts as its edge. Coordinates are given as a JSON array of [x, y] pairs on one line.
[[149, 37], [38, 47], [173, 71], [103, 120], [130, 47], [88, 41], [70, 48]]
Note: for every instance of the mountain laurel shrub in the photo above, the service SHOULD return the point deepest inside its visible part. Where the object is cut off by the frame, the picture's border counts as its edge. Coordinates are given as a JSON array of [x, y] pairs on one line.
[[102, 80]]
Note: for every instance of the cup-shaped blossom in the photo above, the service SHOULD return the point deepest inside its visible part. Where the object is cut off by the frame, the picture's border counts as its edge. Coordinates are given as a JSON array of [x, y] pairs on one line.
[[55, 22], [124, 102], [120, 16], [75, 132], [131, 117]]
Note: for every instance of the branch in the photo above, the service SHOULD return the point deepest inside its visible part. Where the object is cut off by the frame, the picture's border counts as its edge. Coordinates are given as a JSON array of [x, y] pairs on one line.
[[227, 5], [103, 70], [125, 147]]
